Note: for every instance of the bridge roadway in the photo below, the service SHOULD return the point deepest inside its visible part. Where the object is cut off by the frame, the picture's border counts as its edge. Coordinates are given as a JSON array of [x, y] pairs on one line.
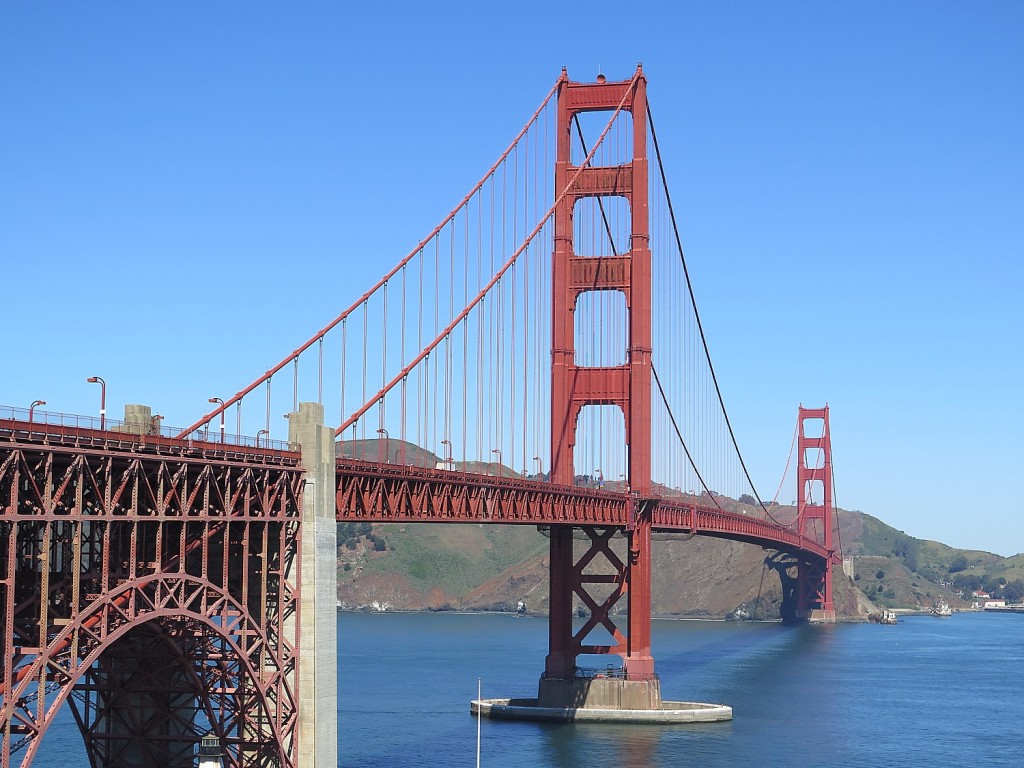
[[383, 493], [394, 493]]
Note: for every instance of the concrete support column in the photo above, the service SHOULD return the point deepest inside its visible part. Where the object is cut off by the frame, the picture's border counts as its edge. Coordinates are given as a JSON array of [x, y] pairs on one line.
[[138, 419], [318, 660]]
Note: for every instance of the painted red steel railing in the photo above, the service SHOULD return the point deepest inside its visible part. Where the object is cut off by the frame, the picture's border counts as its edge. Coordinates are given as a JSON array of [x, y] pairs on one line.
[[74, 429]]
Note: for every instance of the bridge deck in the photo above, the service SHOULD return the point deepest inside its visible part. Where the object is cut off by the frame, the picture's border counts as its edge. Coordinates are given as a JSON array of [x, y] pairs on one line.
[[392, 493]]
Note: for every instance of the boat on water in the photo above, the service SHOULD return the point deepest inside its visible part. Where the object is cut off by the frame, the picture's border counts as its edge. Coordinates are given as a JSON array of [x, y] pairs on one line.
[[941, 608], [740, 614]]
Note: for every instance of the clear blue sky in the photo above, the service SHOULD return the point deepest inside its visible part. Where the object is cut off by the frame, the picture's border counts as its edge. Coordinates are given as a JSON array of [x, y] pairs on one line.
[[849, 181]]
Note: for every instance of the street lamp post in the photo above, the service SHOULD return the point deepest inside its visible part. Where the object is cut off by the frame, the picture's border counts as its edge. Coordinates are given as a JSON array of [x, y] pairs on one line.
[[103, 399], [154, 424], [387, 447], [540, 467], [32, 408], [262, 432], [448, 461], [221, 404], [497, 451]]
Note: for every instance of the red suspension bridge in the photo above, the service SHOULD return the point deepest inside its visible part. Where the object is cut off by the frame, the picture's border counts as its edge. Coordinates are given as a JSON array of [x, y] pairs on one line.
[[166, 583]]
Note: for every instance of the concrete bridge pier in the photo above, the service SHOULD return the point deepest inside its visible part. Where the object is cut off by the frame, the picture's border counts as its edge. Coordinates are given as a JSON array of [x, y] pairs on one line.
[[318, 659], [599, 693]]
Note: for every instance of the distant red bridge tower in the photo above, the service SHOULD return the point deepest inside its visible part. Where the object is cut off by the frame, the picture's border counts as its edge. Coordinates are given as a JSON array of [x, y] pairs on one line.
[[814, 577]]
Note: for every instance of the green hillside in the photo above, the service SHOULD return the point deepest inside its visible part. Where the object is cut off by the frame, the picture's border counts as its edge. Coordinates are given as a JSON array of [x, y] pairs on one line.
[[917, 572], [456, 558]]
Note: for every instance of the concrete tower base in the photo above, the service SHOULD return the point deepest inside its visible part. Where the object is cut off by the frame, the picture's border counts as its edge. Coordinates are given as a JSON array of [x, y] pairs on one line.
[[600, 700], [821, 616], [599, 693], [670, 713]]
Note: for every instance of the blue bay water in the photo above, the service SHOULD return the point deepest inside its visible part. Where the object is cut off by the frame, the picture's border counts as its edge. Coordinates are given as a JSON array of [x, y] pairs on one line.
[[927, 692]]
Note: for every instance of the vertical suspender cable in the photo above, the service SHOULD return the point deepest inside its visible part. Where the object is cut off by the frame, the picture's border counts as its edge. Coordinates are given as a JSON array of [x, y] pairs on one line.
[[700, 327], [344, 353], [365, 366], [320, 372]]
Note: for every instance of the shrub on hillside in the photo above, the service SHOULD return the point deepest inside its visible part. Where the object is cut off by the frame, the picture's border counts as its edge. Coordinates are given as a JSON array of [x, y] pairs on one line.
[[959, 564]]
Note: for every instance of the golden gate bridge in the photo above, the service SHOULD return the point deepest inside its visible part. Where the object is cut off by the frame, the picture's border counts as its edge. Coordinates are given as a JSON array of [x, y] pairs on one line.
[[168, 583]]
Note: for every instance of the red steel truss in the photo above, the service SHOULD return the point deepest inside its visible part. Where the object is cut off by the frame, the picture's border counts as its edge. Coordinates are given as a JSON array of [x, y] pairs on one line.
[[152, 583]]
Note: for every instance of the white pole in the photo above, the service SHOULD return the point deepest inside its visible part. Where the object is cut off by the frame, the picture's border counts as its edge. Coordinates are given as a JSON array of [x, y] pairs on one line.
[[479, 707]]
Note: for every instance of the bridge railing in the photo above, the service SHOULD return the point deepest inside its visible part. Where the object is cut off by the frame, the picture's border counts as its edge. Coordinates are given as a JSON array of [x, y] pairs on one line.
[[462, 475], [21, 424]]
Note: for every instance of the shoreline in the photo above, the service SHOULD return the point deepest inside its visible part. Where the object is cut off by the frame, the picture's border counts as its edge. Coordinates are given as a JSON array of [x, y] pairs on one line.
[[531, 615]]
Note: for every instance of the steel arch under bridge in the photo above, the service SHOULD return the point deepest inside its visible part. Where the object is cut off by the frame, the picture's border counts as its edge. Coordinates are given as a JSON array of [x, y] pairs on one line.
[[151, 583]]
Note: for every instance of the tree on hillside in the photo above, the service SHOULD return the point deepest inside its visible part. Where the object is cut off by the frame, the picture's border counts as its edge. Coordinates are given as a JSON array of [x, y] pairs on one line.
[[967, 582], [1014, 591], [959, 564], [909, 549], [991, 584]]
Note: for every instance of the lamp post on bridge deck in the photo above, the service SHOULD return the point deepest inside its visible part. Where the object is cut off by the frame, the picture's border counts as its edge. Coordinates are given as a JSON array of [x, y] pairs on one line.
[[220, 402], [387, 447], [32, 408], [103, 398]]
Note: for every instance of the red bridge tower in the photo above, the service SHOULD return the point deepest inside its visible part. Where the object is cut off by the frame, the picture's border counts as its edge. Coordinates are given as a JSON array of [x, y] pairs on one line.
[[814, 505], [627, 386]]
